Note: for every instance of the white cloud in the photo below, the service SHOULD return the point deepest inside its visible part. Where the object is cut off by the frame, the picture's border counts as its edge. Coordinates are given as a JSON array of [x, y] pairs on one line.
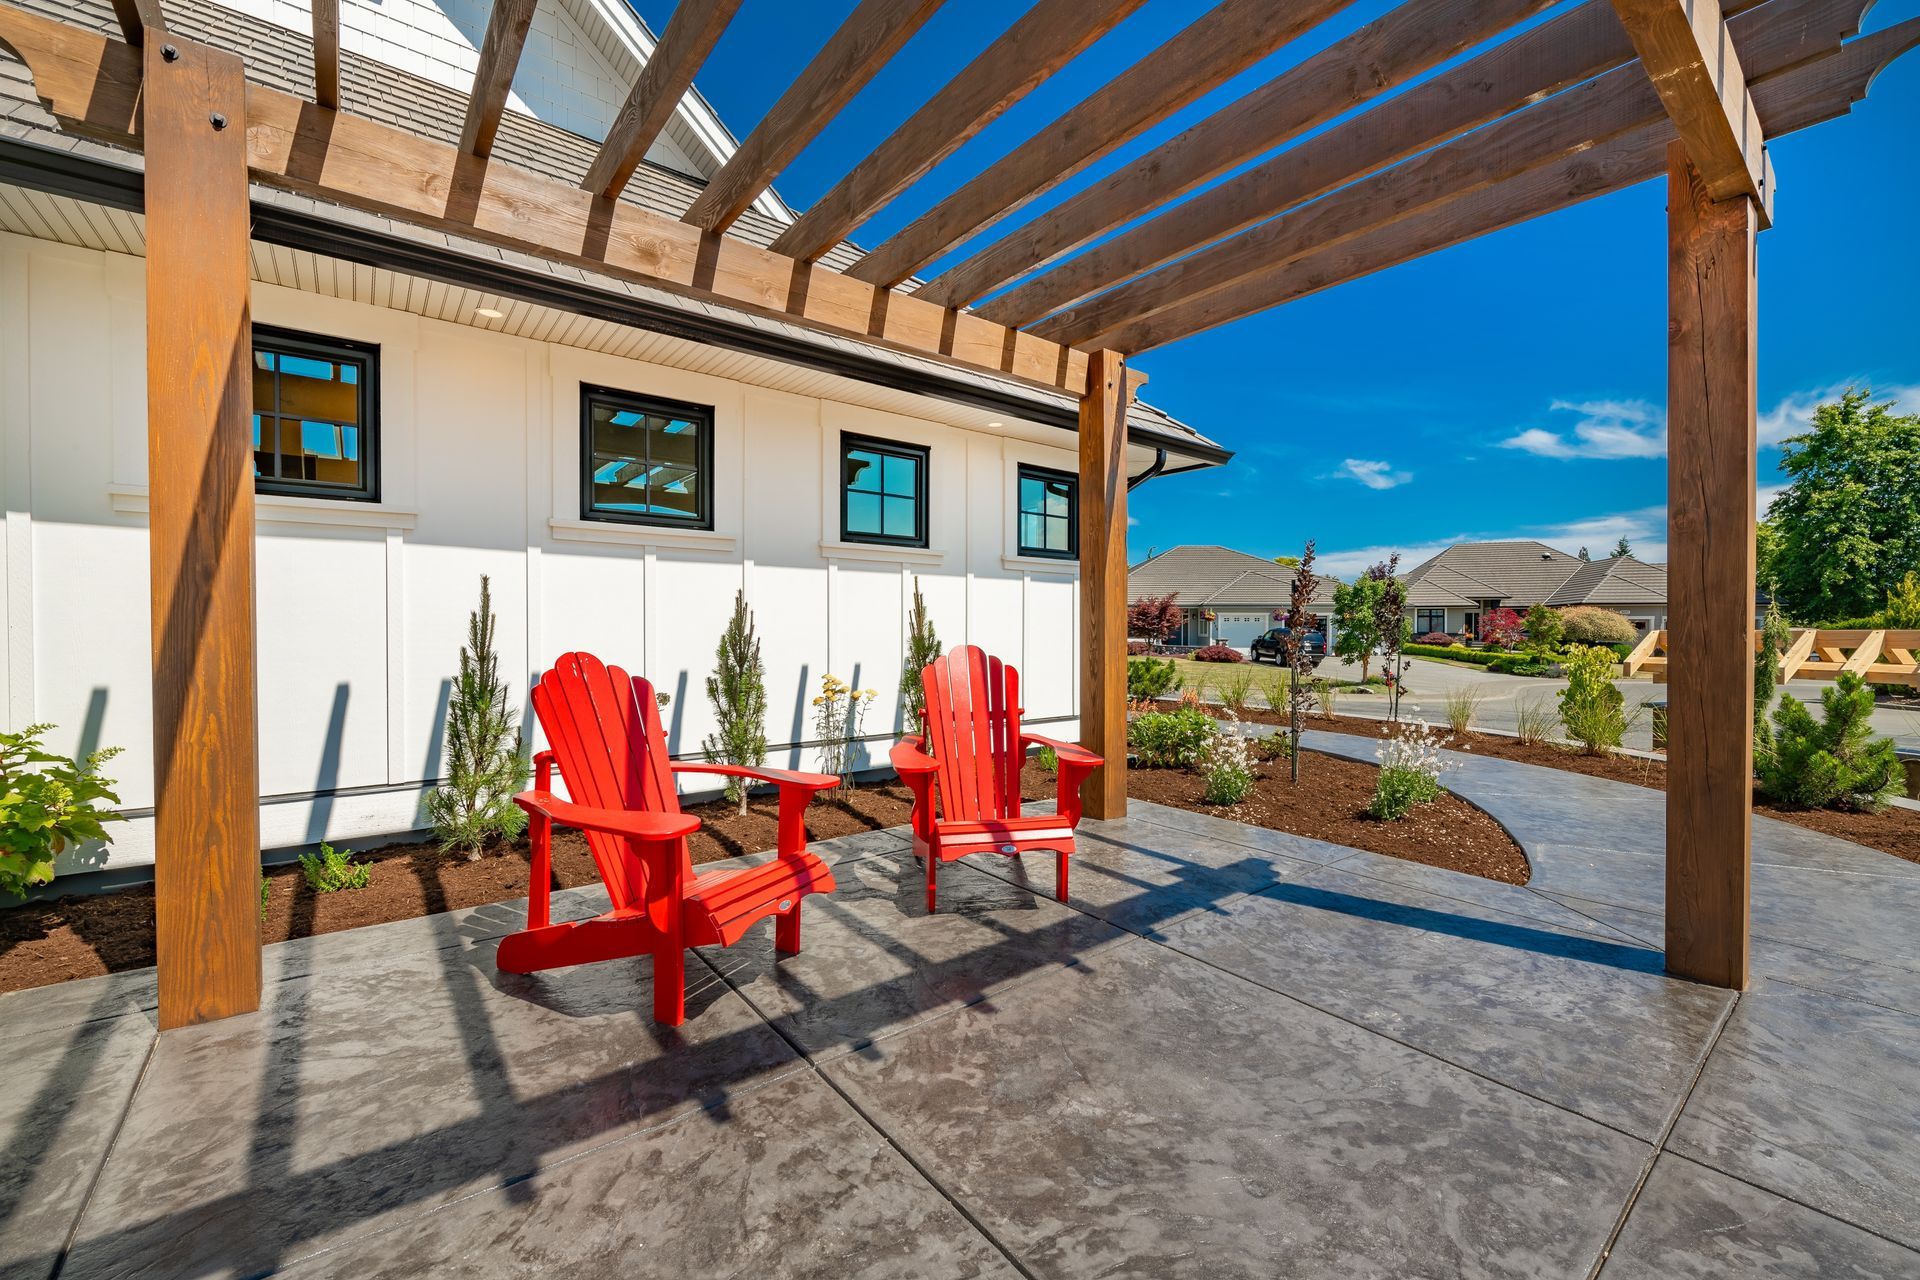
[[1794, 414], [1346, 564], [1602, 429], [1374, 475]]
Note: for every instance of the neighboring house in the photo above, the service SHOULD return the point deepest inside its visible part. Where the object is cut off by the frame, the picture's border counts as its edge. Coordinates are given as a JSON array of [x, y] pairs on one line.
[[619, 460], [1225, 596], [1451, 591]]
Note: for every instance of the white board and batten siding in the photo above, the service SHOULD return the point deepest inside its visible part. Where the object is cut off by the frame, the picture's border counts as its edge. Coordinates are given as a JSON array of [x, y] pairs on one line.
[[362, 607]]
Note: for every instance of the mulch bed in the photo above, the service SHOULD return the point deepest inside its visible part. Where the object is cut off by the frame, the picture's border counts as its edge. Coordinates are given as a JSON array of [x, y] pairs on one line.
[[85, 935], [1330, 803], [1892, 830]]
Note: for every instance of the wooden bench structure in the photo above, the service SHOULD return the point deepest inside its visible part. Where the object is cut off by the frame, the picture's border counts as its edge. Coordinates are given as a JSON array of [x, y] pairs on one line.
[[1604, 95], [1880, 657]]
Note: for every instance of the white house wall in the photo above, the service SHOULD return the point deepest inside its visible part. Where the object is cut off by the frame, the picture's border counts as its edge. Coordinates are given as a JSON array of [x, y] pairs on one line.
[[363, 607]]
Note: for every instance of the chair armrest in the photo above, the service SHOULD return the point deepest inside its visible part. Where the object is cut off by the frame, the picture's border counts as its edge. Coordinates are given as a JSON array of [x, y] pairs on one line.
[[1068, 752], [907, 758], [635, 824], [779, 777]]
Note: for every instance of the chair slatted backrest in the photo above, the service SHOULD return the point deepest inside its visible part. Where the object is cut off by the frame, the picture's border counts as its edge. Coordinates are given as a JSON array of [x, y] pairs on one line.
[[973, 731], [603, 727]]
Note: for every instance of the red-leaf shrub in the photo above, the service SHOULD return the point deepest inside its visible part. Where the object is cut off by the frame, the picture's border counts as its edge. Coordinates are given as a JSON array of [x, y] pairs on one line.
[[1502, 629], [1217, 653], [1434, 637], [1153, 617], [1136, 648]]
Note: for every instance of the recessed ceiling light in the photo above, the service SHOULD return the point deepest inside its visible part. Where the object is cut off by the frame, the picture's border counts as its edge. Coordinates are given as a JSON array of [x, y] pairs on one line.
[[488, 313], [996, 424]]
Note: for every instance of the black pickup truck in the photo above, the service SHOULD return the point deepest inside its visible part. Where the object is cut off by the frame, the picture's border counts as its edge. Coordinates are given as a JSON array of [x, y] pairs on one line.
[[1272, 646]]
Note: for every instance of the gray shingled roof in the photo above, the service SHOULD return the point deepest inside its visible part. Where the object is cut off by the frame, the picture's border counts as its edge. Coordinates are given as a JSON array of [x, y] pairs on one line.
[[283, 59], [1518, 573], [1615, 581], [1212, 575]]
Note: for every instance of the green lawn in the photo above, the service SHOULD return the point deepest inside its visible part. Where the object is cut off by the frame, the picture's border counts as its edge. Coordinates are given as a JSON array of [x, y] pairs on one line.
[[1206, 677]]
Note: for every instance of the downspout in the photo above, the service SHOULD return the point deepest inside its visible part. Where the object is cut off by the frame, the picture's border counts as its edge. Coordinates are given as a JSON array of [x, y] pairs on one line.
[[1159, 465]]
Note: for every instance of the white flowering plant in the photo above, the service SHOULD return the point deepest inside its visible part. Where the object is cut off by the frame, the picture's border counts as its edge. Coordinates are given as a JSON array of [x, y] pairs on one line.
[[1229, 761], [1410, 767]]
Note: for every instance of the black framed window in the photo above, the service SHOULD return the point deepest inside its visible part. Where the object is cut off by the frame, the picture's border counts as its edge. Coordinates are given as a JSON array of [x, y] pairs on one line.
[[644, 460], [883, 492], [1049, 513], [316, 401], [1429, 620]]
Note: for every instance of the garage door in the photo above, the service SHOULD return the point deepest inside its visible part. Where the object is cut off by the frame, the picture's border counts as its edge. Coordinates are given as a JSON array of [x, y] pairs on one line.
[[1239, 629]]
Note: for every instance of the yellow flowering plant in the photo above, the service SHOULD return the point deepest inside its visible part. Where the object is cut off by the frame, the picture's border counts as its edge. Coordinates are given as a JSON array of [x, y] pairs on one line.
[[838, 710]]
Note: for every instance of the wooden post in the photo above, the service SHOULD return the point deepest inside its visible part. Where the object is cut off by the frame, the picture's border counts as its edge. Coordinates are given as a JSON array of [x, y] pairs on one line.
[[200, 479], [1103, 581], [1710, 574]]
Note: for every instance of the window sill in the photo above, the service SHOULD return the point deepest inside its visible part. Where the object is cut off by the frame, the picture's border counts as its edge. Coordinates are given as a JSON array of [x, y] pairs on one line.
[[881, 552], [608, 533], [1041, 564], [280, 508]]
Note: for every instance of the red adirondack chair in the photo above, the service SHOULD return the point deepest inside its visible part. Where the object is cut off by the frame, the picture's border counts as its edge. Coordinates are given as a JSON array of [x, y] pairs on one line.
[[604, 727], [973, 730]]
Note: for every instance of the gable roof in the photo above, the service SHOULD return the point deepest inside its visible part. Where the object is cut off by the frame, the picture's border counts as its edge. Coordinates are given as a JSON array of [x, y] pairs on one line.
[[1522, 572], [1615, 581], [1207, 575]]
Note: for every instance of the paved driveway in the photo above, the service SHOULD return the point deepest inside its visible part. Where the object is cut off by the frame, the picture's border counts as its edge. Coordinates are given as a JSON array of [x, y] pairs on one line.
[[1429, 683]]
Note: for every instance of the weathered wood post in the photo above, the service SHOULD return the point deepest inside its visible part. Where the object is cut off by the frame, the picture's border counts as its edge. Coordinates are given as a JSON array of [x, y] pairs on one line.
[[200, 479], [1103, 581]]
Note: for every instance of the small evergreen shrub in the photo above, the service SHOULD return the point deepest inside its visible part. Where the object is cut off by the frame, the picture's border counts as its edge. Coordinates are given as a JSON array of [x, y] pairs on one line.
[[738, 691], [1592, 709], [1230, 776], [484, 768], [46, 803], [1151, 677], [1833, 763], [1591, 625], [1218, 653], [923, 647], [1171, 739], [329, 871]]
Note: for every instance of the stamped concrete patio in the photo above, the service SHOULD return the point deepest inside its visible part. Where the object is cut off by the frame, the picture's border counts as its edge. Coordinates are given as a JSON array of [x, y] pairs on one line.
[[1234, 1053]]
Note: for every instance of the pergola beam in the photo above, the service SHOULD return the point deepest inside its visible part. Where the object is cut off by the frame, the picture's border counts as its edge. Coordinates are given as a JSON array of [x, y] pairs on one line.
[[691, 33], [1417, 35], [135, 16], [864, 43], [1690, 57], [1575, 120], [1043, 40], [1219, 45], [206, 821], [493, 80], [1808, 94], [326, 53], [92, 85], [1711, 469]]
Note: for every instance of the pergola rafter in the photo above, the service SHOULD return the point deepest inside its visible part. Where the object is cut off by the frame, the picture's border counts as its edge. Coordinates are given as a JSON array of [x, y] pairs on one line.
[[1569, 109]]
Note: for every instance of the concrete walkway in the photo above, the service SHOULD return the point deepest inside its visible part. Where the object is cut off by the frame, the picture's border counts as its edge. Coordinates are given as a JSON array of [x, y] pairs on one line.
[[1233, 1053]]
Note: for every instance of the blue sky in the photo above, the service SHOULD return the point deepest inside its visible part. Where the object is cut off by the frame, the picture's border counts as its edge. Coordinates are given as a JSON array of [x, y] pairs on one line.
[[1509, 387]]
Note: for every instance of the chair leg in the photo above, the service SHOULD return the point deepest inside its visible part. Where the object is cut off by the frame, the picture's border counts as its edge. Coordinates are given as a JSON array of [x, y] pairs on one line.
[[933, 879], [1060, 875], [670, 986], [786, 931]]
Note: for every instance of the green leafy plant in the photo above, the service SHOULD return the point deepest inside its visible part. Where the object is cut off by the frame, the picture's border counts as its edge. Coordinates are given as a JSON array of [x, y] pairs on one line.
[[1151, 678], [1835, 762], [923, 647], [1592, 708], [1522, 664], [47, 802], [264, 890], [1463, 704], [1410, 769], [1545, 631], [484, 767], [1273, 746], [330, 870], [738, 691], [1235, 688], [1903, 604], [1230, 776], [1171, 739], [1775, 638], [837, 712], [1049, 759]]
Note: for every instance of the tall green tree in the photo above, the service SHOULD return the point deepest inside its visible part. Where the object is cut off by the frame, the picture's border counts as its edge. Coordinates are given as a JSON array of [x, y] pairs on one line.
[[1622, 547], [738, 691], [484, 768], [1848, 523], [1360, 609]]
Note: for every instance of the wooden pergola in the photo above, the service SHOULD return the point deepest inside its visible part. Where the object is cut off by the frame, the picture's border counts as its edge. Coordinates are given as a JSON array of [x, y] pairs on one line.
[[1603, 95]]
